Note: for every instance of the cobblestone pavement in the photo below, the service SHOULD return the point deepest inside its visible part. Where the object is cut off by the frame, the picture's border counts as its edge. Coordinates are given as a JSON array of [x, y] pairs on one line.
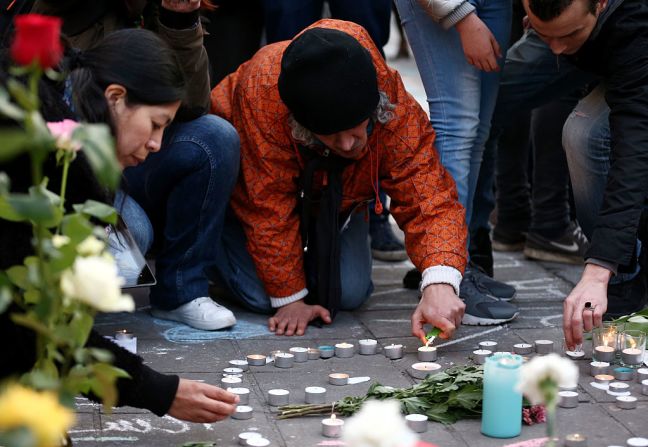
[[175, 348]]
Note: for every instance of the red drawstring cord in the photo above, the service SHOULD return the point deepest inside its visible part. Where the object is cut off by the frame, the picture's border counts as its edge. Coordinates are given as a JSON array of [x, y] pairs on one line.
[[378, 207]]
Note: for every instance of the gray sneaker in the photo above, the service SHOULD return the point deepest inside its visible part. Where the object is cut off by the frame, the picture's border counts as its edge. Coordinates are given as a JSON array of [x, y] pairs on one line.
[[201, 313], [481, 309]]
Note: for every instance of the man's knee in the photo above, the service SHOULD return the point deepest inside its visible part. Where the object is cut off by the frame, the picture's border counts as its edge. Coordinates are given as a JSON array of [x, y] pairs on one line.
[[586, 130], [355, 293]]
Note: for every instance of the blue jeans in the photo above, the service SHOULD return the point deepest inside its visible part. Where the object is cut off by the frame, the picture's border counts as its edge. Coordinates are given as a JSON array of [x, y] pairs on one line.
[[184, 190], [238, 272], [461, 97]]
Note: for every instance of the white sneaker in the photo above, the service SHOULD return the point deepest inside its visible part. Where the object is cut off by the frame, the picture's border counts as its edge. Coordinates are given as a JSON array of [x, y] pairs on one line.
[[201, 313]]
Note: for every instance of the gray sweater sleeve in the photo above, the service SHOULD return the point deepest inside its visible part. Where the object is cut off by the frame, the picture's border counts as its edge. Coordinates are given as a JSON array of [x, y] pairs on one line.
[[447, 12]]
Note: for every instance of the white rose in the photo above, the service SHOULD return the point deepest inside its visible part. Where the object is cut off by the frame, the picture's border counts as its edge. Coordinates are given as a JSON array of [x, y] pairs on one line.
[[562, 371], [90, 246], [58, 240], [94, 281], [378, 424]]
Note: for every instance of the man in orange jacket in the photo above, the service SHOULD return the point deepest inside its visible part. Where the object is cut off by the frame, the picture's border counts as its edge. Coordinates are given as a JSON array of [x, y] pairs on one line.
[[323, 120]]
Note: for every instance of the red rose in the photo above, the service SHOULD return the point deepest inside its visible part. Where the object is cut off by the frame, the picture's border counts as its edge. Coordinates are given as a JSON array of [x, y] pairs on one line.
[[38, 38]]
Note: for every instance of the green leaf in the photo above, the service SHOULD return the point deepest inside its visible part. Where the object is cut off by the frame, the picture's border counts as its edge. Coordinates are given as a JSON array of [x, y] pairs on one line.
[[18, 276], [76, 227], [36, 207], [7, 212], [5, 183], [80, 327], [101, 355], [99, 149], [101, 211], [470, 396], [43, 378], [21, 94], [14, 143], [5, 298], [32, 296]]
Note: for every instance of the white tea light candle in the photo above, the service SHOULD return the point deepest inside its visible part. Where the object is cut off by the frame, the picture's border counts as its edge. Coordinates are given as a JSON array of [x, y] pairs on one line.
[[368, 346], [418, 423], [243, 364], [522, 348], [394, 352], [284, 360], [344, 350], [603, 379], [315, 395], [313, 353], [597, 368], [242, 412], [427, 354], [642, 374], [544, 347], [243, 437], [228, 381], [338, 379], [575, 440], [488, 345], [256, 359], [301, 354], [423, 369], [637, 442], [568, 399], [332, 427], [479, 356], [242, 393], [278, 397], [257, 442], [644, 387], [626, 402]]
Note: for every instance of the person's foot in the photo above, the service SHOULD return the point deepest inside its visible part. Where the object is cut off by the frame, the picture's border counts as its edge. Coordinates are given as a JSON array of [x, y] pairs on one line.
[[508, 240], [482, 309], [385, 246], [481, 251], [488, 286], [569, 248], [201, 313]]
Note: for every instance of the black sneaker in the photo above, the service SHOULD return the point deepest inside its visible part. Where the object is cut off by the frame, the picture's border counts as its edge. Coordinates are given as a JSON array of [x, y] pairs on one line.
[[626, 297], [569, 248], [385, 246], [482, 309], [481, 251], [488, 286], [508, 240]]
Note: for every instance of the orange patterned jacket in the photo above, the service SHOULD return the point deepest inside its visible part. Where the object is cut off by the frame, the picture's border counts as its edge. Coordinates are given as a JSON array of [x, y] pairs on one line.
[[423, 195]]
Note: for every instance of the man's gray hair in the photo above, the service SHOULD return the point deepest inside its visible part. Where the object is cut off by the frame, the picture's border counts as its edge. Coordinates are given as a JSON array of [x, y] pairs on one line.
[[383, 114]]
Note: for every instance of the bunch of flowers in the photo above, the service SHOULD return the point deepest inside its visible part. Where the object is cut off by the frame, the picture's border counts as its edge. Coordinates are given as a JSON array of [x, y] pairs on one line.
[[57, 291]]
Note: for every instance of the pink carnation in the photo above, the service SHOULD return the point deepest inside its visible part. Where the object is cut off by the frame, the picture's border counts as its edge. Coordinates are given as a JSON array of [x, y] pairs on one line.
[[534, 415], [62, 131]]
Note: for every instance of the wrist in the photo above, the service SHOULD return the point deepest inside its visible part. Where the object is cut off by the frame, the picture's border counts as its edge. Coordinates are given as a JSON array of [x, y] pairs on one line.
[[466, 22], [597, 273]]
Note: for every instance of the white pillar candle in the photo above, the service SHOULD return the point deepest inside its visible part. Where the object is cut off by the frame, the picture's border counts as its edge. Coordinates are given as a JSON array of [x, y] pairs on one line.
[[479, 356], [632, 356], [256, 359], [575, 440], [393, 352], [597, 368], [543, 347], [522, 348], [626, 402], [243, 437], [368, 346], [427, 354], [242, 412], [338, 379], [637, 442], [604, 353], [488, 345], [344, 350], [284, 360], [315, 395], [301, 354], [242, 393], [332, 427], [418, 423], [278, 397], [243, 364], [568, 399], [423, 369]]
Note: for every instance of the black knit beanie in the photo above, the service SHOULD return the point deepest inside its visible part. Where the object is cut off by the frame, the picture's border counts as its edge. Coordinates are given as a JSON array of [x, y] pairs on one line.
[[328, 81]]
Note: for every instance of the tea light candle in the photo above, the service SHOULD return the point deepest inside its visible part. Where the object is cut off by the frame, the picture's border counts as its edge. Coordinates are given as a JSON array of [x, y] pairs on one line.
[[126, 340], [242, 412], [313, 353], [624, 374], [332, 427], [257, 442], [243, 364], [427, 353], [575, 355], [424, 369], [301, 354], [227, 381], [618, 387], [479, 356], [242, 393], [644, 387], [543, 347], [326, 351], [568, 399], [597, 368], [344, 350], [418, 423], [243, 437], [368, 346], [284, 360], [523, 348], [637, 442], [604, 353], [632, 356], [626, 402], [394, 352], [575, 440], [642, 374], [315, 395], [256, 359], [338, 379], [278, 397], [603, 379], [568, 388], [232, 372], [488, 345]]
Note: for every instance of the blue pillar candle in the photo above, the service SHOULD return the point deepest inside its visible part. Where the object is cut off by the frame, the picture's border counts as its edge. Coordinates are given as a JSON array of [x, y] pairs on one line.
[[502, 405]]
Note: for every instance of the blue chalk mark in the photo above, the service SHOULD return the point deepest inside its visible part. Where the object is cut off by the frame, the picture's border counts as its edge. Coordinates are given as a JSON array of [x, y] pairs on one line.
[[181, 333]]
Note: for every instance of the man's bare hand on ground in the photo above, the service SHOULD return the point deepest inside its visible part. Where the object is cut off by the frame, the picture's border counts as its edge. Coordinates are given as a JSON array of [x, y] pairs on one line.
[[293, 318]]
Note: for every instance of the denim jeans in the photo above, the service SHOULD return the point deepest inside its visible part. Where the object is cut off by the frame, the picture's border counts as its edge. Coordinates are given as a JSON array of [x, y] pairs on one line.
[[238, 272], [184, 190], [136, 220], [461, 97]]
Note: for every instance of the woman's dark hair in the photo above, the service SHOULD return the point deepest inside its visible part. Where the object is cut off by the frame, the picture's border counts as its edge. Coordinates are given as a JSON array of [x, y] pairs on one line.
[[134, 58]]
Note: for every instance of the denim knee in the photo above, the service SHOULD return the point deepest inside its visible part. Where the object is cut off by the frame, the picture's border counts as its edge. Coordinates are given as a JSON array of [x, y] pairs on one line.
[[355, 293]]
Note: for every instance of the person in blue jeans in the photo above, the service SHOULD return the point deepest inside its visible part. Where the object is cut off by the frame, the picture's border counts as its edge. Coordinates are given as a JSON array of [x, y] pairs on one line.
[[457, 46], [571, 44]]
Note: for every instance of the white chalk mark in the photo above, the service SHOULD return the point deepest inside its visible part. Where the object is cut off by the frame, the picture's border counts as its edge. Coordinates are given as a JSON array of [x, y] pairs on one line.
[[390, 291], [469, 337], [107, 439], [545, 320]]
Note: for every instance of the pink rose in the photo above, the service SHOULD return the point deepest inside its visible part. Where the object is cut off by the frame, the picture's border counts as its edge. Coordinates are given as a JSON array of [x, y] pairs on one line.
[[62, 131]]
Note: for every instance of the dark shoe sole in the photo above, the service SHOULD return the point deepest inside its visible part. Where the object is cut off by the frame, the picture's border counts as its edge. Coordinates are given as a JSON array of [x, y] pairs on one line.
[[472, 320], [507, 246], [550, 256]]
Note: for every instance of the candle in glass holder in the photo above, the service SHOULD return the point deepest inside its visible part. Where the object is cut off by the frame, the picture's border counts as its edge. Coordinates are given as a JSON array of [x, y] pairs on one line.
[[256, 359], [344, 350], [523, 348], [284, 360], [423, 369], [479, 356], [626, 402], [544, 346], [418, 423], [278, 397], [427, 354], [332, 427], [632, 348], [301, 354], [632, 356], [242, 412], [242, 393], [338, 379], [326, 351], [315, 395], [575, 440], [368, 346], [394, 352], [597, 368], [604, 353]]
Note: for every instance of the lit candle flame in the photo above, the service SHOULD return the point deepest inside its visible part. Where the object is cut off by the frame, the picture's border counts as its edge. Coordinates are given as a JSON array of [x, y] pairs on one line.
[[333, 416], [632, 342]]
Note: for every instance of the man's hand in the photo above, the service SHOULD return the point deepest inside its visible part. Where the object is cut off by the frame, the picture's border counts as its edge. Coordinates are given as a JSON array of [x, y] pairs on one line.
[[293, 318], [591, 288], [440, 307], [181, 5], [479, 45], [201, 402]]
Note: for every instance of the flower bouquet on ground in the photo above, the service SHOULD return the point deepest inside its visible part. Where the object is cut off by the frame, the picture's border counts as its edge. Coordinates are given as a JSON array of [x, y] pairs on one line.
[[70, 276]]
